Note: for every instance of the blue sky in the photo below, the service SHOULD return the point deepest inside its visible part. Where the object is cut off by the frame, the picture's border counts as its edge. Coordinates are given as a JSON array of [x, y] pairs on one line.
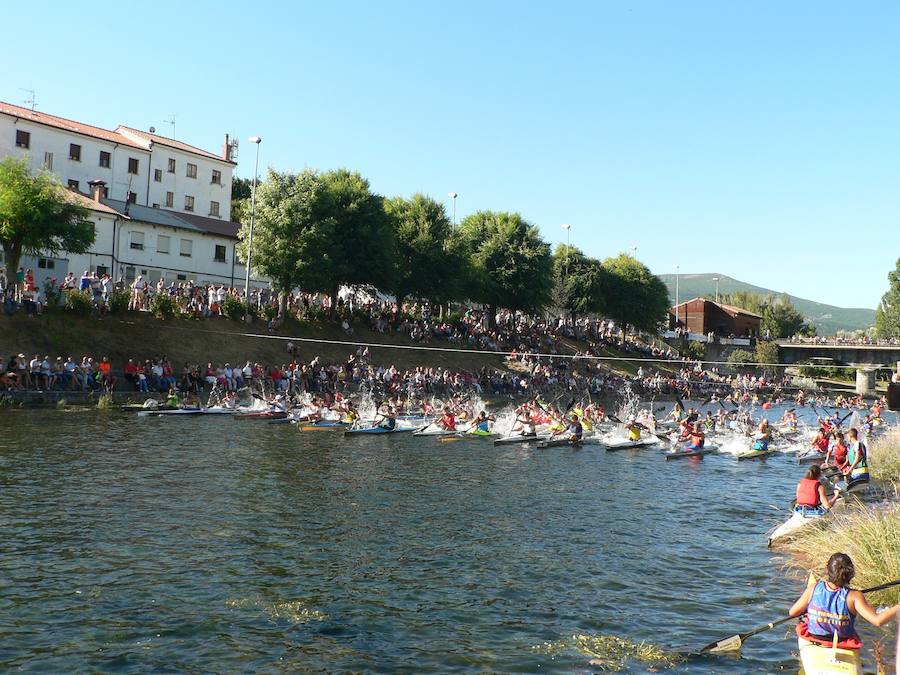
[[758, 140]]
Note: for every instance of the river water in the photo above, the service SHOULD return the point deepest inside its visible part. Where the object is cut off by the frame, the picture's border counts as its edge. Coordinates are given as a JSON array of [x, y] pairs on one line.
[[218, 545]]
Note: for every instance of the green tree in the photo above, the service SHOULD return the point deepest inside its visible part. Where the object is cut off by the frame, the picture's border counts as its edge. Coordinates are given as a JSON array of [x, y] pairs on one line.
[[38, 215], [361, 252], [241, 192], [634, 296], [510, 265], [887, 316], [290, 241], [578, 281], [747, 300], [741, 359], [767, 352], [427, 262], [780, 319]]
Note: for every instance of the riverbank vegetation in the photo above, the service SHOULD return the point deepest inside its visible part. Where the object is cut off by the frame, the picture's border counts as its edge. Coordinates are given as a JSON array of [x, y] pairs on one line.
[[871, 537], [884, 457]]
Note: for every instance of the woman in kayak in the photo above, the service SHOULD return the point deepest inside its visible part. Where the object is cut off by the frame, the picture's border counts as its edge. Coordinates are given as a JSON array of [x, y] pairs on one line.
[[831, 607], [857, 456], [811, 493], [696, 438], [837, 453], [820, 442], [762, 436], [447, 421]]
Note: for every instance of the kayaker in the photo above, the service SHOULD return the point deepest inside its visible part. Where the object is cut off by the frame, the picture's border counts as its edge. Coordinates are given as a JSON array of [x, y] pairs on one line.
[[388, 419], [574, 431], [811, 492], [481, 424], [447, 421], [172, 399], [634, 429], [857, 458], [820, 442], [831, 607], [762, 436], [837, 453], [696, 438]]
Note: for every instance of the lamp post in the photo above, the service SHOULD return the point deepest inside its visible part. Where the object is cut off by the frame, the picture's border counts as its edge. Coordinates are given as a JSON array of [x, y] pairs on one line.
[[634, 251], [716, 279], [453, 196], [677, 270], [257, 140], [568, 228]]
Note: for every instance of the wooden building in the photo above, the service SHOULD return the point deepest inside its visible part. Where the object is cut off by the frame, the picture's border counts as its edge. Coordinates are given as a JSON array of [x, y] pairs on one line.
[[706, 316]]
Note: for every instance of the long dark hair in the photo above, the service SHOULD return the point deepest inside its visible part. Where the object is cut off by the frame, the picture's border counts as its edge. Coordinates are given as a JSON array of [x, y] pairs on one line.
[[814, 472]]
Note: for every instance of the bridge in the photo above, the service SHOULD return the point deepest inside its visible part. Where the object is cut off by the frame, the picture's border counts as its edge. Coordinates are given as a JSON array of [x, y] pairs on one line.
[[866, 358]]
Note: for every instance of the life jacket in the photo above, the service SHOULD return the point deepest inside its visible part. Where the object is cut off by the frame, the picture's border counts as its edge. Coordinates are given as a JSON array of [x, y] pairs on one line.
[[483, 425], [634, 434], [862, 469], [828, 613], [822, 445], [448, 422], [697, 440], [802, 631], [840, 454], [808, 492]]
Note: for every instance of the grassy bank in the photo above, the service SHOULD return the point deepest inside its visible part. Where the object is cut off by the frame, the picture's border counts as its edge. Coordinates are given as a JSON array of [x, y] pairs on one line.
[[884, 457], [870, 537]]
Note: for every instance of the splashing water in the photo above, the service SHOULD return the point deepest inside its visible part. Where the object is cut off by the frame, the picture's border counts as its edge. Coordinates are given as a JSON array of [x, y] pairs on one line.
[[611, 653], [295, 611]]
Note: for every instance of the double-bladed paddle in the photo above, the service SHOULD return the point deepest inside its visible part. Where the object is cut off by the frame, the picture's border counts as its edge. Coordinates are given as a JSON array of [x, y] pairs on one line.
[[734, 642]]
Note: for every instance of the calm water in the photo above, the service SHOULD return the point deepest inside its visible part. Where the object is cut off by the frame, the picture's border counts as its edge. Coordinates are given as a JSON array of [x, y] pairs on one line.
[[202, 544]]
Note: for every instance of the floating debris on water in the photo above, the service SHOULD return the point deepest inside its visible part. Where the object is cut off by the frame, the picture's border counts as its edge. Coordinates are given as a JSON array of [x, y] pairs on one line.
[[610, 653], [295, 611]]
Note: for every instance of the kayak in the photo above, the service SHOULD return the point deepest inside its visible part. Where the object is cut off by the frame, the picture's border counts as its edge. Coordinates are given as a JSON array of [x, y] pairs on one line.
[[800, 518], [263, 415], [521, 438], [756, 454], [170, 411], [811, 457], [432, 430], [819, 660], [681, 454], [626, 444], [375, 430], [559, 443]]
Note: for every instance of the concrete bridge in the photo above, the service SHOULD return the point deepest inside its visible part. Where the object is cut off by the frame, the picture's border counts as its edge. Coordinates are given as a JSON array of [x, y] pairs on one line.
[[866, 358]]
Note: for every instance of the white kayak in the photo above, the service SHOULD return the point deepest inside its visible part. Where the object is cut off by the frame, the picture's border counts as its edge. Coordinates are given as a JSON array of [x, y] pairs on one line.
[[800, 518], [435, 430], [627, 444], [811, 456]]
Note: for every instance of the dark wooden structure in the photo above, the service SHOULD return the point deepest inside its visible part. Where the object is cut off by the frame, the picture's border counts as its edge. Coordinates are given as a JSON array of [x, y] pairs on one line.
[[706, 316]]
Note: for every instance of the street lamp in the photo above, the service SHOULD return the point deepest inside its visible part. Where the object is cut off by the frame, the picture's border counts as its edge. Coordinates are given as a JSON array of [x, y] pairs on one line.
[[677, 272], [568, 229], [634, 251], [453, 196], [257, 140], [716, 279]]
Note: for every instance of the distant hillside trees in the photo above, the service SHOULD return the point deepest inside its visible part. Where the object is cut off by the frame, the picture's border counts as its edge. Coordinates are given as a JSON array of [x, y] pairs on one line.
[[887, 316], [780, 319]]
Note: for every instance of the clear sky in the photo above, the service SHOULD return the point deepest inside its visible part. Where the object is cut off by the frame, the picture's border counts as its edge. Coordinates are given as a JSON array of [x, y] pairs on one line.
[[758, 140]]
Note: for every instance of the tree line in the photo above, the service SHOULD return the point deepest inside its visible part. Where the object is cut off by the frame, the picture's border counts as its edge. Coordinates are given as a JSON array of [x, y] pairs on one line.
[[319, 231], [780, 319]]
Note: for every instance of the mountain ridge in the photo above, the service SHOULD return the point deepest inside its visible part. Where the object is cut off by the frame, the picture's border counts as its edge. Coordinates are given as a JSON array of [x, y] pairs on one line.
[[828, 319]]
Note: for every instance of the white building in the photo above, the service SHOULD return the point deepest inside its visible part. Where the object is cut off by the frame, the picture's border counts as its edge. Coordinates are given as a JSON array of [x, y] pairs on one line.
[[161, 207]]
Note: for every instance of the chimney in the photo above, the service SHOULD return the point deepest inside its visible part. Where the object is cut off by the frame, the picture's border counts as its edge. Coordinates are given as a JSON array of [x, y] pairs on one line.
[[226, 149], [97, 188]]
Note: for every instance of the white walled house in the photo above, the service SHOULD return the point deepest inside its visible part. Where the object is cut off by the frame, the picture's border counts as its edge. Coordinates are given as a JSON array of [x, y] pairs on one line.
[[161, 207]]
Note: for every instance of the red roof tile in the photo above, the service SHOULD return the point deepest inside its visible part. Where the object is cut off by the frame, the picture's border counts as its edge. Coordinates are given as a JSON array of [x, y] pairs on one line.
[[171, 142], [66, 125]]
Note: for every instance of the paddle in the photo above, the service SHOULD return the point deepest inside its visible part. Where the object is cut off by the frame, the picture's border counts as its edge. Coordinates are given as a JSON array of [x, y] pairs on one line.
[[734, 642]]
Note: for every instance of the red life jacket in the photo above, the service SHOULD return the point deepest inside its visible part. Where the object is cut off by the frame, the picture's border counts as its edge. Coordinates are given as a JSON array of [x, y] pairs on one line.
[[822, 445], [808, 492], [802, 630], [840, 454]]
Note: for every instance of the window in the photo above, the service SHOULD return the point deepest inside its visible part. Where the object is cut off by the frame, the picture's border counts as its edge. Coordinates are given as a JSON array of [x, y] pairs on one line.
[[23, 139], [75, 152], [48, 161], [155, 205], [188, 203], [73, 184], [157, 175], [181, 277], [132, 197], [220, 253], [106, 193], [162, 244], [137, 240], [132, 165], [46, 264], [171, 165], [129, 274], [214, 209], [187, 247], [102, 270], [191, 170], [170, 199], [104, 158], [217, 177]]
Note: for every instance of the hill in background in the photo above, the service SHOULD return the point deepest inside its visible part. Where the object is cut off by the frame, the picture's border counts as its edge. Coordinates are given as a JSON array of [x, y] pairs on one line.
[[827, 319]]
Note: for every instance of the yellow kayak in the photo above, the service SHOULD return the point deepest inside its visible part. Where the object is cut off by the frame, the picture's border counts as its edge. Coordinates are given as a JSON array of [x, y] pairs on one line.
[[818, 660]]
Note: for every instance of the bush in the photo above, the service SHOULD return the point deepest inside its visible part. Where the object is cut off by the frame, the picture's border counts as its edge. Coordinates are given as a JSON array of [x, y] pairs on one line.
[[234, 308], [270, 312], [695, 350], [118, 301], [884, 457], [740, 358], [80, 302], [163, 306]]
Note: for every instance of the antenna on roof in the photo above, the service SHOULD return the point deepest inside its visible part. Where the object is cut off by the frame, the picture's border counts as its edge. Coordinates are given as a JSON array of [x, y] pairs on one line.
[[30, 101], [172, 122]]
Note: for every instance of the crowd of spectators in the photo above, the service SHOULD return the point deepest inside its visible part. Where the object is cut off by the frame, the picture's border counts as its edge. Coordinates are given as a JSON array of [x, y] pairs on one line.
[[852, 340]]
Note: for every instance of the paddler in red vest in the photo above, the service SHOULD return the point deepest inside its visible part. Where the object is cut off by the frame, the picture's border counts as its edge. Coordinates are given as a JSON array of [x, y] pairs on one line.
[[820, 442], [811, 493], [837, 453], [447, 421], [696, 437], [831, 607]]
